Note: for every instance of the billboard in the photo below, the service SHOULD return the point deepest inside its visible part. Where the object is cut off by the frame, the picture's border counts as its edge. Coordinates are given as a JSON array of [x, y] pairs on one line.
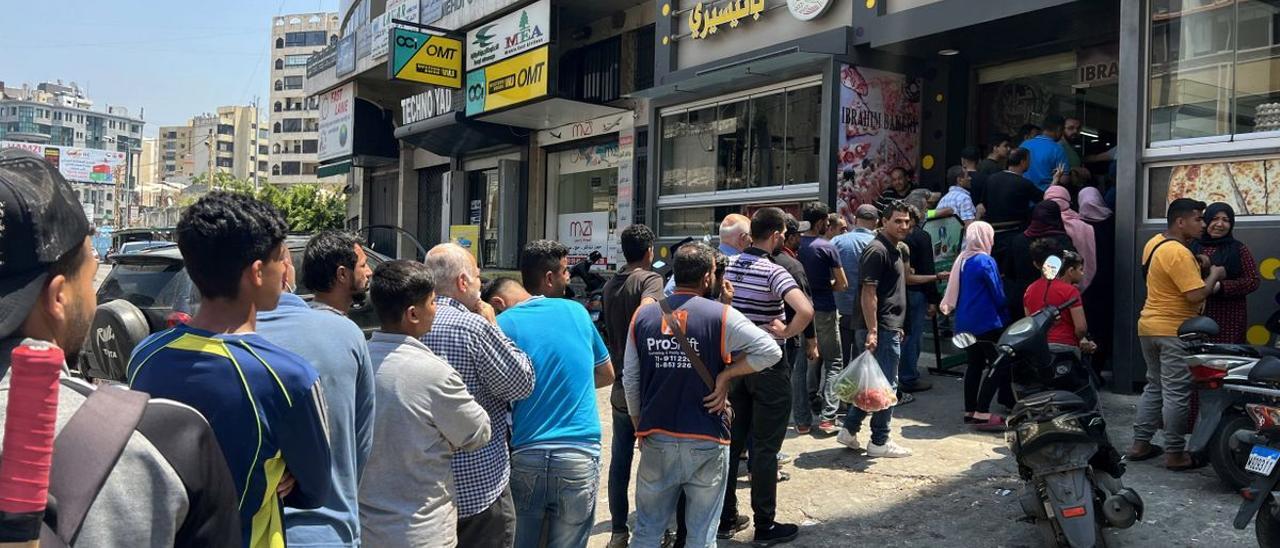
[[509, 82], [425, 58], [81, 165], [337, 115], [880, 130], [510, 35]]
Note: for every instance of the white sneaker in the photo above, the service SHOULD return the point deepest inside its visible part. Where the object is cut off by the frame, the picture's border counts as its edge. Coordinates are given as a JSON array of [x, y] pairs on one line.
[[888, 450], [848, 440]]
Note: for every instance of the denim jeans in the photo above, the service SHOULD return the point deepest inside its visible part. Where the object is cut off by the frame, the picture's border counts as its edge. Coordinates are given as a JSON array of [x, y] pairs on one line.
[[888, 352], [831, 360], [803, 386], [917, 305], [555, 494], [622, 453], [670, 466]]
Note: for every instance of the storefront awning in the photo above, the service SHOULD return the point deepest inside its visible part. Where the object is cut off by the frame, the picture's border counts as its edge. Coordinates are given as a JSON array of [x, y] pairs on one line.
[[453, 133], [336, 168], [549, 113], [733, 74]]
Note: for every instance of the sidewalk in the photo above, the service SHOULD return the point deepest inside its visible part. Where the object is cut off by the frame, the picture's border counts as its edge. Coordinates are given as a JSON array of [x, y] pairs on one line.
[[959, 489]]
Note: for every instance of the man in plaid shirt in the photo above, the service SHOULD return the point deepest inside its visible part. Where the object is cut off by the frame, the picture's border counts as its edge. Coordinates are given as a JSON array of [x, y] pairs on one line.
[[958, 201], [466, 334]]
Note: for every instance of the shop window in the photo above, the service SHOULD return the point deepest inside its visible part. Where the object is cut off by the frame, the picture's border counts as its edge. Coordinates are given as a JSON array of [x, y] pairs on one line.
[[1250, 186], [1215, 69], [769, 139], [692, 221]]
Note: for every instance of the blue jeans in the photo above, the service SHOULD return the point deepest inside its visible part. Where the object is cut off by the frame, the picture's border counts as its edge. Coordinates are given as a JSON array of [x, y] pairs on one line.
[[555, 493], [888, 352], [622, 453], [917, 305], [669, 467], [801, 396]]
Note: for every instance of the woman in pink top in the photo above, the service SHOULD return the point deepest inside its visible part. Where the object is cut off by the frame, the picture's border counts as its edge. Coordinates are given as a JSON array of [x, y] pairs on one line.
[[1080, 232]]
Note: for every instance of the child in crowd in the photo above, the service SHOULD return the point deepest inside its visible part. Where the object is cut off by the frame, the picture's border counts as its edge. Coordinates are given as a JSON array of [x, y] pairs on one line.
[[1070, 329]]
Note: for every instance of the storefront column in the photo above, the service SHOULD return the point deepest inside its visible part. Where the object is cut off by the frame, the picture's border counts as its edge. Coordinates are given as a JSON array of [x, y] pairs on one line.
[[1129, 367], [408, 203]]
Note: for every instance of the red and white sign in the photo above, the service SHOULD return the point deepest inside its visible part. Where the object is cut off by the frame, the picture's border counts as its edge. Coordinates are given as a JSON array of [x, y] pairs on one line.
[[584, 233]]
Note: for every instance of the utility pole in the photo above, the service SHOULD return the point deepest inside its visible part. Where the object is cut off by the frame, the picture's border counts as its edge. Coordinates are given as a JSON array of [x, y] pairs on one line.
[[208, 142], [253, 142]]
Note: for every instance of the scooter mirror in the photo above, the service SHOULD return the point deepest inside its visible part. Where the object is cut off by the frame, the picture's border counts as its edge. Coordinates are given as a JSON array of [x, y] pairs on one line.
[[963, 340], [1051, 267]]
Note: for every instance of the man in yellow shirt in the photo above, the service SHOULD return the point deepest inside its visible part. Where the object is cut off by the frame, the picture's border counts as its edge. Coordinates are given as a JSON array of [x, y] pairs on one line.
[[1175, 293]]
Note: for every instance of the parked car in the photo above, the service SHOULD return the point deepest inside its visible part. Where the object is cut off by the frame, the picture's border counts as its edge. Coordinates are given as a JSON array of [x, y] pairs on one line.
[[128, 248], [149, 291]]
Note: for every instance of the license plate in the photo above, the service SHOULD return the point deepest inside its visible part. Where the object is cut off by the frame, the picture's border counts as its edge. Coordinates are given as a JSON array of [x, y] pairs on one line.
[[1262, 460]]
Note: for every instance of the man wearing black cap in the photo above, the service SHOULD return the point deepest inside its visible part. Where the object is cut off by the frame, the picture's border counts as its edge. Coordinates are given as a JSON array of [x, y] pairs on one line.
[[170, 485]]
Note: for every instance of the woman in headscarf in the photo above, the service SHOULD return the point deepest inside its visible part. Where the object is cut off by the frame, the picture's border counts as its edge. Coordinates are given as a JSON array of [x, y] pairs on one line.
[[1080, 232], [1046, 222], [1097, 298], [1226, 304], [976, 296]]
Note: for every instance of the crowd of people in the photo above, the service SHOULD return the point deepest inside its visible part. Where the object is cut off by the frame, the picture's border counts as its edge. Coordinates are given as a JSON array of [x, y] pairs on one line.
[[470, 417]]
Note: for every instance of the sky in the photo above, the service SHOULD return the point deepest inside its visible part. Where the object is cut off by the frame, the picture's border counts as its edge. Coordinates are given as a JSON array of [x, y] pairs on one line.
[[170, 60]]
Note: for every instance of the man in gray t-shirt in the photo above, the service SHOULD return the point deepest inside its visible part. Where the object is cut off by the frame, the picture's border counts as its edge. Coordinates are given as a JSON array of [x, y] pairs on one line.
[[424, 414]]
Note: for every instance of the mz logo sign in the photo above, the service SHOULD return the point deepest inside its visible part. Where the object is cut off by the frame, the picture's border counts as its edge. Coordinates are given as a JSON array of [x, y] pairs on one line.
[[580, 230]]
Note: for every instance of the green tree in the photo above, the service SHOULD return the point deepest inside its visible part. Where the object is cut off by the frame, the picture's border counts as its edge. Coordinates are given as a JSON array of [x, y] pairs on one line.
[[306, 207]]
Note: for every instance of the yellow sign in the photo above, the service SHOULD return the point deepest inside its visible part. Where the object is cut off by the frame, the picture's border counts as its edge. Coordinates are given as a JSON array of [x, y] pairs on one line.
[[508, 82], [425, 58], [467, 236], [704, 21]]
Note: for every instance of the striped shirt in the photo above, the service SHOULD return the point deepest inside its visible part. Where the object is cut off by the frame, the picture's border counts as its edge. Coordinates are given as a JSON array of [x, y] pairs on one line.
[[959, 200], [266, 407], [759, 286]]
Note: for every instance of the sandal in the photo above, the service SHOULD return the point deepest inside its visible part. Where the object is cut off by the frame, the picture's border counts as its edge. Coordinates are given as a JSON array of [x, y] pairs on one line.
[[1154, 452], [969, 419], [993, 424]]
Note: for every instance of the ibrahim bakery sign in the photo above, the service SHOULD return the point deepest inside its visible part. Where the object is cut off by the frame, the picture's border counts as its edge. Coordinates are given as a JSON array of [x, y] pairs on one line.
[[707, 18]]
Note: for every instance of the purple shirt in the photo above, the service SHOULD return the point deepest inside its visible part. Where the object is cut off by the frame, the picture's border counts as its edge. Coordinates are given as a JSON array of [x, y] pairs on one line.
[[758, 286], [819, 256]]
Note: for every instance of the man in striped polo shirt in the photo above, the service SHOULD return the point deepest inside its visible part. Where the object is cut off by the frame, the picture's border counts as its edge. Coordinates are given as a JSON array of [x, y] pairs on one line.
[[762, 402]]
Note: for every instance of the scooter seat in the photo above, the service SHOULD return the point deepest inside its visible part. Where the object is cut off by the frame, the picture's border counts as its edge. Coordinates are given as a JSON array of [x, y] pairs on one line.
[[1266, 351], [1201, 325], [1059, 400], [1266, 370]]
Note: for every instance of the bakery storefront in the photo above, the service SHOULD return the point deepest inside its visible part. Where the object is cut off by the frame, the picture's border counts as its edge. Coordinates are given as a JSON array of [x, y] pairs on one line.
[[1208, 95], [762, 102]]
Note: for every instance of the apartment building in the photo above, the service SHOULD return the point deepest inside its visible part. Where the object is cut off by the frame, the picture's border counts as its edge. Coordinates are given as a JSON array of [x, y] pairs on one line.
[[295, 118], [53, 113], [228, 141]]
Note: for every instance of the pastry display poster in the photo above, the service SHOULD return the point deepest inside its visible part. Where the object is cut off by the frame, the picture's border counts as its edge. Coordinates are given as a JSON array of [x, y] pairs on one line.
[[1250, 187], [879, 130]]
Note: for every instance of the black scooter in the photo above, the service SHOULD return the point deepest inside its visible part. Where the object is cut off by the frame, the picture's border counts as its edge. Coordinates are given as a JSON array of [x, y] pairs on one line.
[[1220, 374], [1070, 469]]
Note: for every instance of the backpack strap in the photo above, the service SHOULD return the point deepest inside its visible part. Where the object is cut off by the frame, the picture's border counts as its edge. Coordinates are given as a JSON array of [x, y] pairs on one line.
[[84, 454], [1146, 265], [670, 317]]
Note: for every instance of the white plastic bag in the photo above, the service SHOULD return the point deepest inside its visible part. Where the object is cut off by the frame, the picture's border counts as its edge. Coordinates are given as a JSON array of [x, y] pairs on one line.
[[864, 385]]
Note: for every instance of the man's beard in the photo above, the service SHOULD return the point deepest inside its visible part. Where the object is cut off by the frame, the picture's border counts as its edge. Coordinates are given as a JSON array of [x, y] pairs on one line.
[[77, 332], [358, 293]]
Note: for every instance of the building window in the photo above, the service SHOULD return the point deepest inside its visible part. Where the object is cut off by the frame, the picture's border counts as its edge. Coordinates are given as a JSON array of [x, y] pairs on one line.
[[279, 43], [277, 127], [296, 60], [275, 149], [304, 38], [277, 106], [1215, 73], [766, 140], [279, 85], [275, 170], [279, 64], [262, 166], [224, 146], [292, 125], [262, 149], [293, 82], [225, 162], [226, 129], [309, 146], [290, 168]]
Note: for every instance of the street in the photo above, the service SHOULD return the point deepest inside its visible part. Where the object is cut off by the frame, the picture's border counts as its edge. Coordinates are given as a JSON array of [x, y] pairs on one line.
[[959, 489]]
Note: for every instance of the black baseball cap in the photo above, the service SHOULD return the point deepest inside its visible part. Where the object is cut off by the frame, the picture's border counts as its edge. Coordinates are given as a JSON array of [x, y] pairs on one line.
[[40, 221]]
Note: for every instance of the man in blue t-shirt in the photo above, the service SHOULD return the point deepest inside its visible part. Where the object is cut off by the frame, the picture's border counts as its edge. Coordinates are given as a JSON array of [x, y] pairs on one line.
[[1046, 153], [555, 437], [822, 267]]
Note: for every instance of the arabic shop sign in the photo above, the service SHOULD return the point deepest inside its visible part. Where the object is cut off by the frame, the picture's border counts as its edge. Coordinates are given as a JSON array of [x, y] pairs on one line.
[[425, 58], [508, 82], [508, 36], [704, 20]]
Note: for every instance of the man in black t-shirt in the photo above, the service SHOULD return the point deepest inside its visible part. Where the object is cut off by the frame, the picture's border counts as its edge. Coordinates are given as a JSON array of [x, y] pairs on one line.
[[1009, 199], [635, 285], [879, 319]]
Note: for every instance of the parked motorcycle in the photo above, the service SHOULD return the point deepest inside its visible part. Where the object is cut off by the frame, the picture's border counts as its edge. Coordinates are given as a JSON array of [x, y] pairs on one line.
[[592, 296], [1057, 434], [1264, 452], [1220, 374]]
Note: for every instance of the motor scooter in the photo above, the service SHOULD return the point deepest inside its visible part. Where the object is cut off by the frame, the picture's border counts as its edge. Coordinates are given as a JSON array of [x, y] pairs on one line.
[[1263, 445], [1057, 434], [1220, 375]]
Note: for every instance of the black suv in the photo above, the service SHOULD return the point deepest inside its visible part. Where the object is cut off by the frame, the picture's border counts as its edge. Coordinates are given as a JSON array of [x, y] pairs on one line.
[[149, 291]]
